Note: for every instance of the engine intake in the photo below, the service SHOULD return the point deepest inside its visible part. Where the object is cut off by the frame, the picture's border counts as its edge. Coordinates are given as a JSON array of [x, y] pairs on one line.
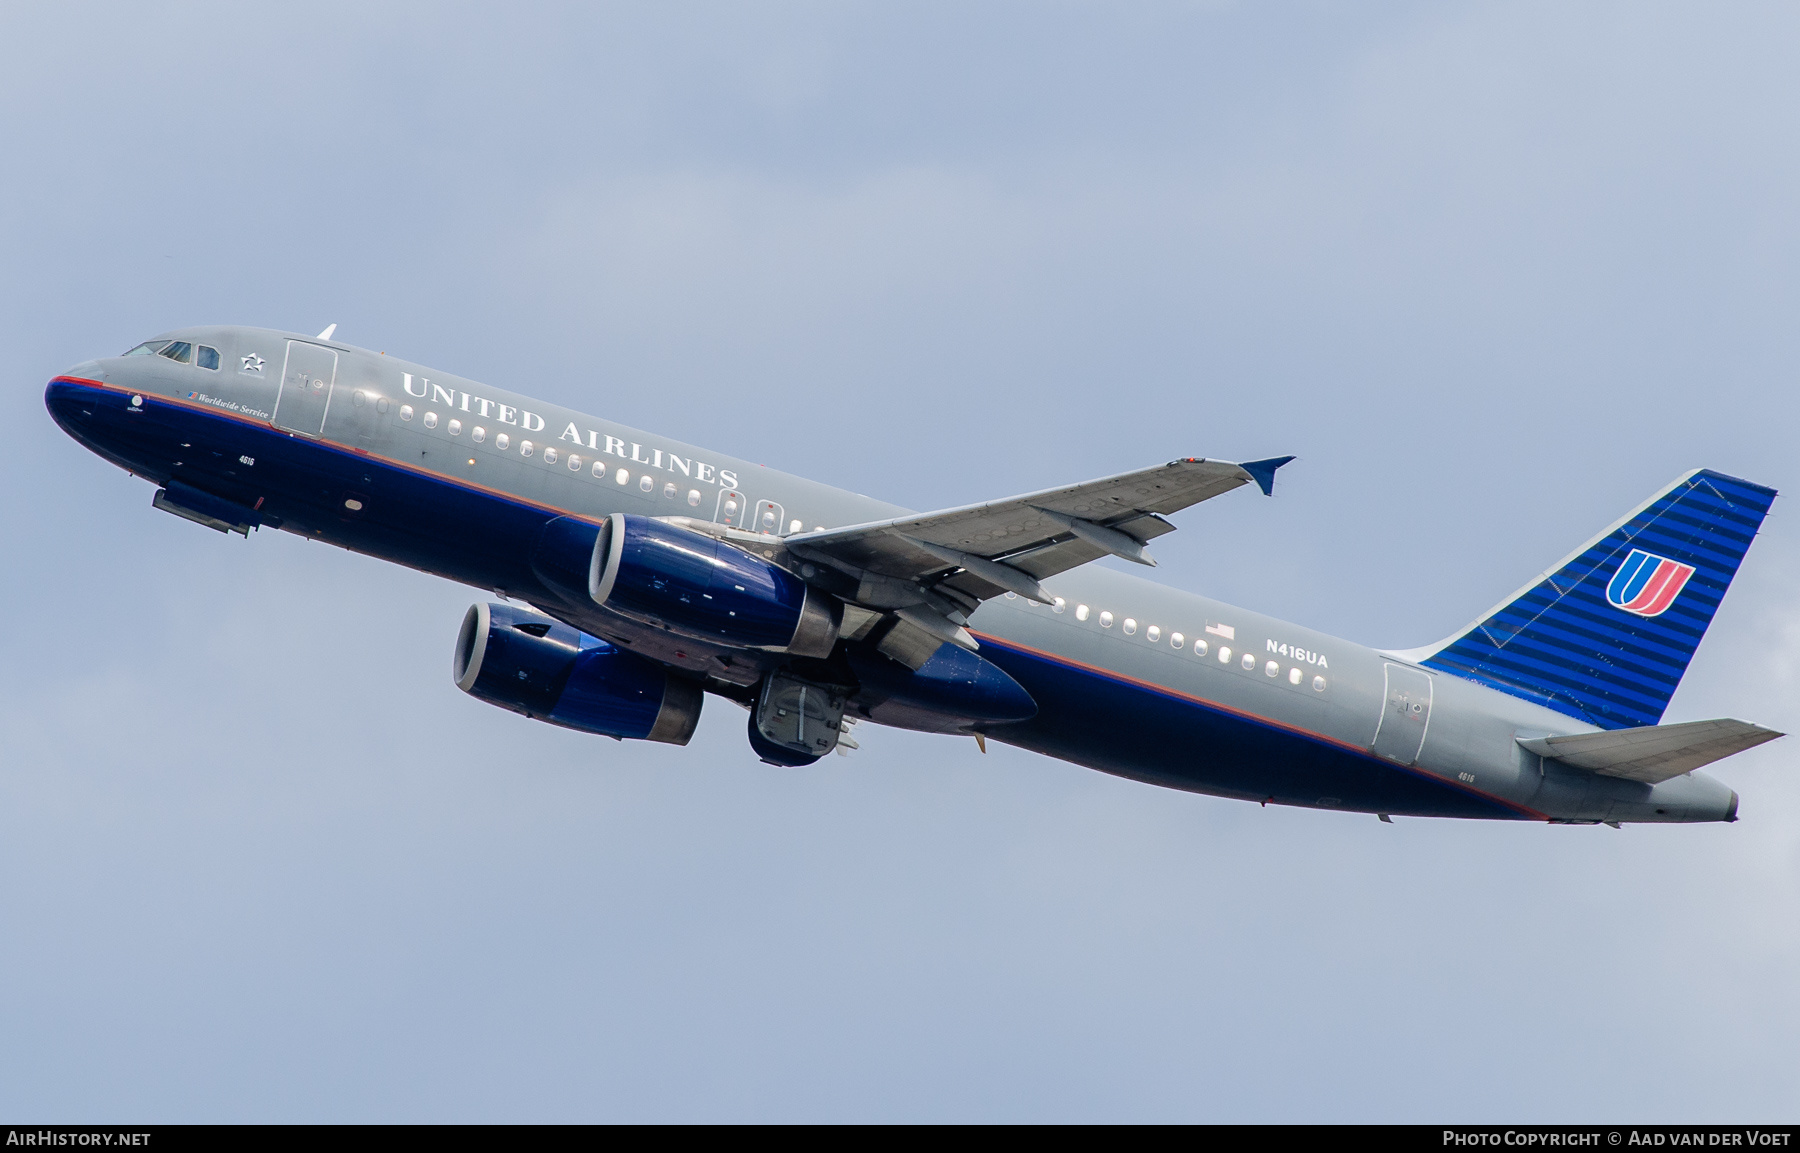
[[708, 589], [547, 671]]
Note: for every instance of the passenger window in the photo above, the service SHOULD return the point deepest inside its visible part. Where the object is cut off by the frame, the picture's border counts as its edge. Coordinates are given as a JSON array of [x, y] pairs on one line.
[[406, 412], [694, 497], [1176, 640], [207, 357], [181, 352], [1106, 620], [1199, 646], [1056, 605], [1224, 654], [574, 463], [1318, 684], [526, 448], [478, 434], [599, 470], [501, 441], [1293, 676], [1081, 612], [669, 491], [646, 482], [431, 420], [1273, 668], [149, 348], [1153, 633], [1130, 626], [549, 456], [1249, 661]]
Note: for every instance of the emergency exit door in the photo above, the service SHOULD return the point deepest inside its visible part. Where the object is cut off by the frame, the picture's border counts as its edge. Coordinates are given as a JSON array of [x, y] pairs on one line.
[[731, 507], [1405, 713], [767, 518]]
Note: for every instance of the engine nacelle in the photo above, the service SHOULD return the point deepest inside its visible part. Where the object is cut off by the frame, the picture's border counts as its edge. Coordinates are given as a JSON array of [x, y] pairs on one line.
[[546, 670], [708, 589]]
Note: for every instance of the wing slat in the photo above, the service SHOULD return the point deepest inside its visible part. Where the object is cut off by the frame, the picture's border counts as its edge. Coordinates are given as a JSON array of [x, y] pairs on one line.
[[1016, 530]]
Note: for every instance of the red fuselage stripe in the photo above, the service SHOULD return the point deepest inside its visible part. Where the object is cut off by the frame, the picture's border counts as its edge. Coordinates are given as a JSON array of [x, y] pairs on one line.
[[1257, 718]]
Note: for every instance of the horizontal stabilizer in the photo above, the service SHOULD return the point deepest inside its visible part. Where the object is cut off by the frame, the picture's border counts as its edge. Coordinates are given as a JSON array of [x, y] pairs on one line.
[[1653, 753]]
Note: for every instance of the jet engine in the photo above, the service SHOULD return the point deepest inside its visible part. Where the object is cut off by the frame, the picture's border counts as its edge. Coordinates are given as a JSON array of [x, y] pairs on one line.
[[687, 582], [547, 671]]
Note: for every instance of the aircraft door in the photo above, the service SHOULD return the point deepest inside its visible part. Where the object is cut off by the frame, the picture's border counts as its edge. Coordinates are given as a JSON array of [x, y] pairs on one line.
[[730, 508], [767, 519], [305, 388], [1405, 713]]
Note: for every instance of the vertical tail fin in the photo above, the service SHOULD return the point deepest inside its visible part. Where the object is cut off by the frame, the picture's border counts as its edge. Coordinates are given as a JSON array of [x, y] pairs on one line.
[[1606, 635]]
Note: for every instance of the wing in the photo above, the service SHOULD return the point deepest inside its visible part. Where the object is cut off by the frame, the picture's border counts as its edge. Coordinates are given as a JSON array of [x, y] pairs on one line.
[[1653, 753], [943, 564]]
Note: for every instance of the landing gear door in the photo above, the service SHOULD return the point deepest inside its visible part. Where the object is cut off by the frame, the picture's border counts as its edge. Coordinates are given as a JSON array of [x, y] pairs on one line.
[[306, 381], [1405, 714]]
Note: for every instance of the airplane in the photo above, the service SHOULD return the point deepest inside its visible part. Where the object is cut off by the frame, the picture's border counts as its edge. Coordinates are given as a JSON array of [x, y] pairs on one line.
[[633, 576]]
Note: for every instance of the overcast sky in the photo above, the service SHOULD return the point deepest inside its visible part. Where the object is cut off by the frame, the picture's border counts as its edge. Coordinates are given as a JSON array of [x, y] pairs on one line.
[[1494, 272]]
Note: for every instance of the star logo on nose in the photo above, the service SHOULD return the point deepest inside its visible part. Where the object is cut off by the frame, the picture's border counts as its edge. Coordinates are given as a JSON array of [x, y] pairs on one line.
[[253, 363]]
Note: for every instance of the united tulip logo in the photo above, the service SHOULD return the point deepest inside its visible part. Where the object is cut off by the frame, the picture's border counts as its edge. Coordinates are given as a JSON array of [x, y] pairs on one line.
[[1646, 584]]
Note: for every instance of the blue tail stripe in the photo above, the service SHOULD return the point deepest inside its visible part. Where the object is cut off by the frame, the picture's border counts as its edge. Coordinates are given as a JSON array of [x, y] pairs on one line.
[[1564, 642], [1676, 639], [1569, 675], [1546, 693], [1575, 629]]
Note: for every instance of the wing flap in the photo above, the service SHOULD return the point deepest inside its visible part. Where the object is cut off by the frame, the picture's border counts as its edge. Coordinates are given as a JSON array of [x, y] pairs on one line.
[[927, 572], [1029, 532], [1653, 753]]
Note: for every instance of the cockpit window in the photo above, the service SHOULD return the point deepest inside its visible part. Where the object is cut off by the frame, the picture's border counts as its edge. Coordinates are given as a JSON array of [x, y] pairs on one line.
[[206, 356], [148, 348], [181, 352]]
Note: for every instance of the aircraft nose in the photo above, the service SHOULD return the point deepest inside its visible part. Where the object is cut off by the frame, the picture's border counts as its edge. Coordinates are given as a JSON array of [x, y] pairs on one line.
[[70, 395], [60, 399]]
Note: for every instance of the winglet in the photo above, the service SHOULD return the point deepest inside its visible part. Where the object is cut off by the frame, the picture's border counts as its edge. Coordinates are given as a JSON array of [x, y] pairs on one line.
[[1263, 472]]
